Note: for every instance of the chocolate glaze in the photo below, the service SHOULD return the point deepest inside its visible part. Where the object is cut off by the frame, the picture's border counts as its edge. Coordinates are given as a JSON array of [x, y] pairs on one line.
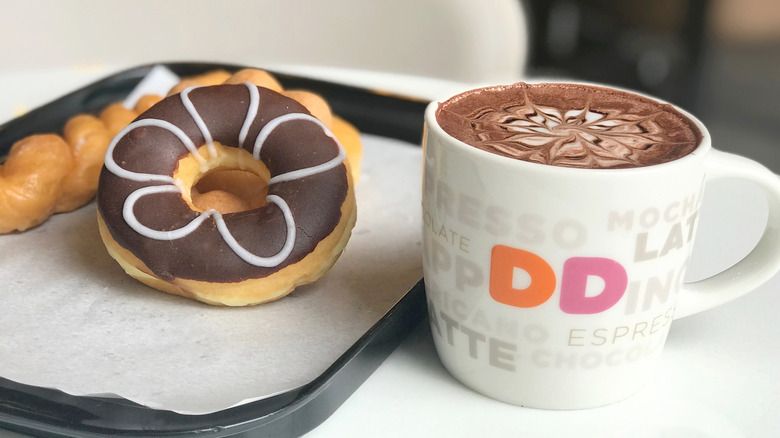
[[569, 125], [315, 201]]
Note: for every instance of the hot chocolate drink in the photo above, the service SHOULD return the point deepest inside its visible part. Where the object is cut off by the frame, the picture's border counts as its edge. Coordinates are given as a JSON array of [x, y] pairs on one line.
[[569, 125]]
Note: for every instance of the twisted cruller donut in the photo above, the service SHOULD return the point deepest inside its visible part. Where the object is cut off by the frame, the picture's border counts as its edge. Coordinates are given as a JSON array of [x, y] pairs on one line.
[[31, 180], [151, 226], [88, 137]]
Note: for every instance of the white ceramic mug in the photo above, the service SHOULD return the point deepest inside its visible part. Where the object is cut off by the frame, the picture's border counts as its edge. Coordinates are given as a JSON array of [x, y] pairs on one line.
[[555, 287]]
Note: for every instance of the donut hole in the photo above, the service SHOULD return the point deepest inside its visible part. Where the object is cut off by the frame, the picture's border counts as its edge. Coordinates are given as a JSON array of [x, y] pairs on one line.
[[227, 179], [229, 191]]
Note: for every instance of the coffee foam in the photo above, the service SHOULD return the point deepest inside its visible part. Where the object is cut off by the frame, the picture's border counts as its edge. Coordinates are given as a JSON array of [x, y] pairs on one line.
[[570, 125]]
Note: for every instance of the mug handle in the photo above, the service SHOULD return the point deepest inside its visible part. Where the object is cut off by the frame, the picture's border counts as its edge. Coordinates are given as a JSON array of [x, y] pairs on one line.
[[761, 264]]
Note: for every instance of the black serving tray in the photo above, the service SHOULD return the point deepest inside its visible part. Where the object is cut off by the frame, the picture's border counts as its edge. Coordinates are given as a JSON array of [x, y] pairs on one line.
[[48, 412]]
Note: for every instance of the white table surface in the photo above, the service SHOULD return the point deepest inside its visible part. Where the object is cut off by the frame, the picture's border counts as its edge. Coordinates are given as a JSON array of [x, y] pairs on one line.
[[718, 376]]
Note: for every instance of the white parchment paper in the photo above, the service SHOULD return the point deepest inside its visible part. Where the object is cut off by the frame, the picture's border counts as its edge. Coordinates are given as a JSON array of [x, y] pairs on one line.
[[71, 319]]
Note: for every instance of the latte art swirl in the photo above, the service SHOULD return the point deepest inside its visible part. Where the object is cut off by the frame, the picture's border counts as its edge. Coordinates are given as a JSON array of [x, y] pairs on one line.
[[571, 126]]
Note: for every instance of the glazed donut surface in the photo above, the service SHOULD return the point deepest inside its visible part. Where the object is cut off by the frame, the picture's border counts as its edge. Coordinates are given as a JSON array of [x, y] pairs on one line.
[[146, 209]]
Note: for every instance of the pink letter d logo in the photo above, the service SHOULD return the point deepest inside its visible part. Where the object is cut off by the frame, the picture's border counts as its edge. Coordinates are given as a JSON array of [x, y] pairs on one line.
[[576, 271]]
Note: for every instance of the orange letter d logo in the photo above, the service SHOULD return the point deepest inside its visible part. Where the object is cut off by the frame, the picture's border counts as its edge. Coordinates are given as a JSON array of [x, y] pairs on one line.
[[503, 261]]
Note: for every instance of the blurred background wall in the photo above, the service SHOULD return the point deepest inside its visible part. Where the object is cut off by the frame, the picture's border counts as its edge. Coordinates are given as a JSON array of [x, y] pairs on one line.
[[461, 40]]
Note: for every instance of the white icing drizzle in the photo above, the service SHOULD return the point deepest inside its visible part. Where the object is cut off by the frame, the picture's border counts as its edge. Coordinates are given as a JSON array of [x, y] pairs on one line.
[[247, 256], [251, 112], [129, 215], [300, 173], [114, 168], [174, 186], [185, 99], [224, 231]]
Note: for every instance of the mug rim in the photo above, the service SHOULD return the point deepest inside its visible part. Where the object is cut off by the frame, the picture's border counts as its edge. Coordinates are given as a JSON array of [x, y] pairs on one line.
[[701, 150]]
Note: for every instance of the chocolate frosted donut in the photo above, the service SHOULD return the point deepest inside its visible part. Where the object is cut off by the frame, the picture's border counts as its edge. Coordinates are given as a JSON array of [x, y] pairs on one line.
[[151, 226]]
